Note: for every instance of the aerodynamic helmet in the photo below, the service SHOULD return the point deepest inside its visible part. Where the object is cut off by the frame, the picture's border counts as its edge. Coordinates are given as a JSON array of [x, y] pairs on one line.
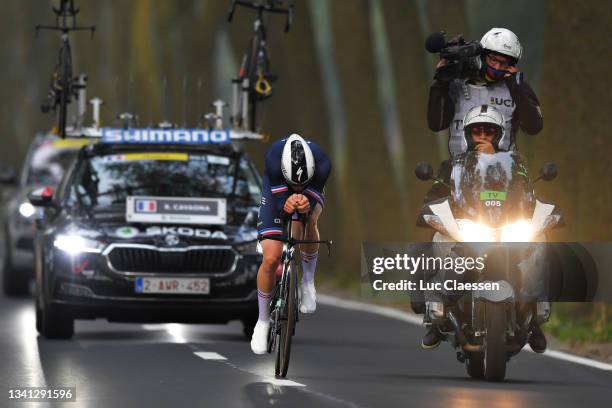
[[484, 115], [502, 41], [297, 162]]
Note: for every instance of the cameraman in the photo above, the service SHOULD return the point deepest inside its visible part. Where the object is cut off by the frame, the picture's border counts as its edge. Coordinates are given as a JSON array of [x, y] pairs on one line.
[[497, 82]]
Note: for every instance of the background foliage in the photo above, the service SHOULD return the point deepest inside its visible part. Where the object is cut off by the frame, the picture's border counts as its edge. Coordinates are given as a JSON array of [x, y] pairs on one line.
[[353, 76]]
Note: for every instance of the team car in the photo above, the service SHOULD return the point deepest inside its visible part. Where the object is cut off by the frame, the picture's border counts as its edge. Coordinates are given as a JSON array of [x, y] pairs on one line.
[[149, 227], [46, 161]]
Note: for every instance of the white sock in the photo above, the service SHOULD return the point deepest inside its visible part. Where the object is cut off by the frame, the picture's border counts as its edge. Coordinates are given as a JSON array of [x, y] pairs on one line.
[[309, 264], [263, 300]]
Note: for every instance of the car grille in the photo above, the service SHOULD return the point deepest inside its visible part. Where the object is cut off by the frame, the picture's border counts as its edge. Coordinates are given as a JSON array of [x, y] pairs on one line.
[[197, 260]]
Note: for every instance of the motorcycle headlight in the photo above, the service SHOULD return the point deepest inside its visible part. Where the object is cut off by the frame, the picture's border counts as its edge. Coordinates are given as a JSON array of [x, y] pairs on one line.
[[475, 232], [520, 231], [75, 244], [26, 209]]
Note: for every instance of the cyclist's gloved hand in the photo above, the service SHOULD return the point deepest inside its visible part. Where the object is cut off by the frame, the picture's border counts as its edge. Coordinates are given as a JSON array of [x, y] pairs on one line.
[[290, 204], [296, 202], [303, 205]]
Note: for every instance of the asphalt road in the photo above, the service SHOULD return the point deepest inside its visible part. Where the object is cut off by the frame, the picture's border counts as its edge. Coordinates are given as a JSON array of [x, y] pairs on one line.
[[340, 358]]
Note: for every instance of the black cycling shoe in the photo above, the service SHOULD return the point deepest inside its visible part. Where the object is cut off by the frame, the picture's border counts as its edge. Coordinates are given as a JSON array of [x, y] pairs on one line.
[[537, 340], [432, 338]]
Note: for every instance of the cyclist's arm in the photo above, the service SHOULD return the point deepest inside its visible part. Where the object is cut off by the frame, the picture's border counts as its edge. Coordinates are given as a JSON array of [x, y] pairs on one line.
[[278, 186], [323, 167]]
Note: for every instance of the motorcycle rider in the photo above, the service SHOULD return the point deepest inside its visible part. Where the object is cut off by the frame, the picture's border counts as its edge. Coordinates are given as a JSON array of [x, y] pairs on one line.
[[295, 174], [483, 131]]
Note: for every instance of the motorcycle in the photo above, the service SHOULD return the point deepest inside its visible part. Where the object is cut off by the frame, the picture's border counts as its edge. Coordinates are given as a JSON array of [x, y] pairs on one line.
[[491, 214]]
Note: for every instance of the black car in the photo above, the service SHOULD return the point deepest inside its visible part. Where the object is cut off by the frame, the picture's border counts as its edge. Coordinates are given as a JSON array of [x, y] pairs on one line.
[[149, 233], [45, 163]]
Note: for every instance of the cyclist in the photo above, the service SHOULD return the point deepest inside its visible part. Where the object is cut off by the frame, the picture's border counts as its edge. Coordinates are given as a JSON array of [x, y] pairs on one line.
[[295, 174], [483, 131]]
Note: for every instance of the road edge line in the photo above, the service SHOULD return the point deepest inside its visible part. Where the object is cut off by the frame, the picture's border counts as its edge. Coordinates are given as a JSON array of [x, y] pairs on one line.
[[389, 312]]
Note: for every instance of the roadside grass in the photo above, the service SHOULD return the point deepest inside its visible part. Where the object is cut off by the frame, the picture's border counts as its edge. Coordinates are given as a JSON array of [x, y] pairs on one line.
[[581, 322]]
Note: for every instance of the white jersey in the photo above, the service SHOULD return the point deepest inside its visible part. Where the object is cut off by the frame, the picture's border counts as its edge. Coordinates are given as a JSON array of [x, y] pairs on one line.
[[466, 96]]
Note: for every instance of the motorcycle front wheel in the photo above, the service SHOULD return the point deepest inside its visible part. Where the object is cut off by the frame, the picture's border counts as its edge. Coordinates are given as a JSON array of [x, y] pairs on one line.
[[495, 354]]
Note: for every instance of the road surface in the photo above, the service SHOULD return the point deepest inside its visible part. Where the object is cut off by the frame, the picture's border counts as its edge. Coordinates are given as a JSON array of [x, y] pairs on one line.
[[341, 358]]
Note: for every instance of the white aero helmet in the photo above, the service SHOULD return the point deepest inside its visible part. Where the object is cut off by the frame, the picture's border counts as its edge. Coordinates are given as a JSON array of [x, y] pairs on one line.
[[485, 114], [297, 162], [502, 41]]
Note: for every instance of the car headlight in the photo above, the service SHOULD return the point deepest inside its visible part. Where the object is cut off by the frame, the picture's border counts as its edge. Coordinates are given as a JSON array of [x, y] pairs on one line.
[[26, 209], [75, 244], [520, 231], [250, 248], [475, 232]]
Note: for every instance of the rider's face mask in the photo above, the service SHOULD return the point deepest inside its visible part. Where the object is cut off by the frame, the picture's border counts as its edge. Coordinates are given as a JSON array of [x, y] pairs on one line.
[[495, 66], [491, 74]]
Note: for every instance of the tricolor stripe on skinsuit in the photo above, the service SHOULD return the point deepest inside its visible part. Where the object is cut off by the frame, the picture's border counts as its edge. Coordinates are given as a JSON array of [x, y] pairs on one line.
[[279, 189], [316, 196], [271, 231]]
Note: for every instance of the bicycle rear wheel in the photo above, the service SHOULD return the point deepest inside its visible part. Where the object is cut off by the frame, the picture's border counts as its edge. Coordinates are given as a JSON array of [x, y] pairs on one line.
[[288, 319]]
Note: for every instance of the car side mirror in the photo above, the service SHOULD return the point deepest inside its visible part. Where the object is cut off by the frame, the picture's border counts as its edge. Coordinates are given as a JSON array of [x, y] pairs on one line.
[[8, 175], [424, 171], [41, 197], [548, 172]]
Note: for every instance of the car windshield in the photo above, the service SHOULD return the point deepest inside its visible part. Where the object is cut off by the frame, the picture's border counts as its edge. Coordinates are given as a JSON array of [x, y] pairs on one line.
[[491, 187], [108, 180], [50, 160]]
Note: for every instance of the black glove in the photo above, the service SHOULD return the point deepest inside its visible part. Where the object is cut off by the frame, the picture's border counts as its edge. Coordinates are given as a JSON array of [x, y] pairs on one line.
[[448, 72]]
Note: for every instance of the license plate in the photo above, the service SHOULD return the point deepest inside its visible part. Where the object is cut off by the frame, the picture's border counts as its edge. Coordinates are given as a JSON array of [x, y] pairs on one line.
[[189, 286]]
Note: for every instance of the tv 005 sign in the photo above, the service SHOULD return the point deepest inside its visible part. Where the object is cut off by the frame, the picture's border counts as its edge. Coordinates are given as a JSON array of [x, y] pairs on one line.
[[174, 210]]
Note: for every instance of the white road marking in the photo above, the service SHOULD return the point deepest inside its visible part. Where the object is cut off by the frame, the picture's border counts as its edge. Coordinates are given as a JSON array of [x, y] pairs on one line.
[[410, 318], [209, 355], [575, 359], [283, 383], [367, 307], [176, 331], [154, 327]]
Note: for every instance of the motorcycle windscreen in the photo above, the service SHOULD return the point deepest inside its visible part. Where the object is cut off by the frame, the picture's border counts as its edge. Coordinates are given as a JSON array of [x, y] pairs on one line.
[[491, 188]]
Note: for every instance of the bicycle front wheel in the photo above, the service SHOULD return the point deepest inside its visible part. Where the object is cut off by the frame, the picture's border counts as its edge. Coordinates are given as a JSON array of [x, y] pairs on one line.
[[288, 319]]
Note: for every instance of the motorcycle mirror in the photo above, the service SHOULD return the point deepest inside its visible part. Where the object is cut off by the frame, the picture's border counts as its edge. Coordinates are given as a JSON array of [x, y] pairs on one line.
[[423, 171], [548, 172]]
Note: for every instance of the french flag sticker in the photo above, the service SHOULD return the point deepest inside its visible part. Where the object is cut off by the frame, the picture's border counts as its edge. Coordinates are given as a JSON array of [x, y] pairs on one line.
[[146, 206]]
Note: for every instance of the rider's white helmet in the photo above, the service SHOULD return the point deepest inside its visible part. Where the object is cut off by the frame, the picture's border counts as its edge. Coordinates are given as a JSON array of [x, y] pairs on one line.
[[485, 114], [297, 162], [502, 41]]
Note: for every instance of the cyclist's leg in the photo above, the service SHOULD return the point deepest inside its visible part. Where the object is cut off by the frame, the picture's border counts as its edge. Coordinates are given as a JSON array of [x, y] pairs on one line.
[[268, 224], [312, 230], [310, 254], [266, 276]]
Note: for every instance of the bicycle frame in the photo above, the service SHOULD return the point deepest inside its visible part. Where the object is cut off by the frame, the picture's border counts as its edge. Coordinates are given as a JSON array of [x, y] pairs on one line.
[[253, 82], [63, 86], [281, 319]]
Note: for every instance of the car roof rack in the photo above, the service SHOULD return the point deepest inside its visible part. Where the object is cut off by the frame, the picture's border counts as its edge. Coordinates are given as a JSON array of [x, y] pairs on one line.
[[164, 133]]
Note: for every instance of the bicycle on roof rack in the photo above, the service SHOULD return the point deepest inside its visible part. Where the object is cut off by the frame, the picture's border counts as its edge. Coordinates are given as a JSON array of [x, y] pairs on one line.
[[254, 81], [63, 86]]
